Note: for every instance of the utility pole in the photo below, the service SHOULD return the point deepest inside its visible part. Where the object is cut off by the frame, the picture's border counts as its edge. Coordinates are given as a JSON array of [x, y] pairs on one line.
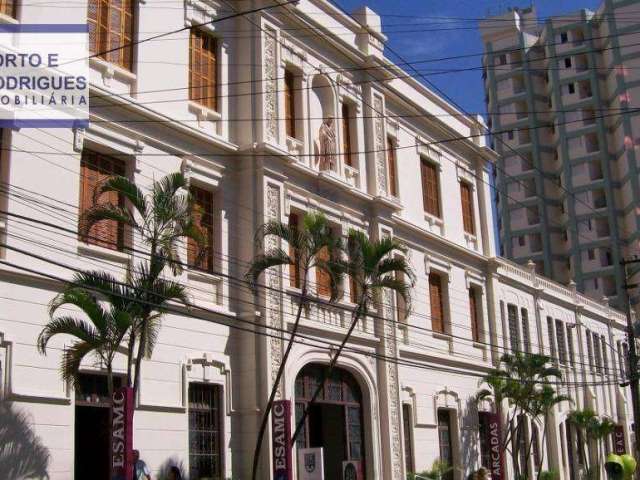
[[633, 356]]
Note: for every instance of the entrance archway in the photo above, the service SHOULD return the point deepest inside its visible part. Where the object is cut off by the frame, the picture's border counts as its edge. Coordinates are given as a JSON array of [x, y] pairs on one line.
[[335, 420]]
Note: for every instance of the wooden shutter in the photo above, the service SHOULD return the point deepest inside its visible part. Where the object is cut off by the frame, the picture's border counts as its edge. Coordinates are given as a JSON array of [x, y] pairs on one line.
[[401, 306], [95, 168], [111, 30], [353, 290], [435, 297], [323, 279], [473, 313], [430, 189], [346, 135], [201, 257], [203, 69], [294, 268], [467, 208], [289, 104], [391, 167]]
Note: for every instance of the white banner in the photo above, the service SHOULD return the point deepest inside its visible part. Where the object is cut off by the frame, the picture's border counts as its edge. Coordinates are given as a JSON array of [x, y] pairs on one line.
[[310, 464]]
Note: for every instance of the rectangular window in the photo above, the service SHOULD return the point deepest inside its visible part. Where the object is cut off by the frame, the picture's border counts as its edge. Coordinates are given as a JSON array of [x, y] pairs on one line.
[[8, 7], [474, 315], [605, 355], [445, 440], [514, 336], [203, 69], [562, 346], [526, 334], [570, 345], [484, 427], [110, 30], [346, 134], [571, 88], [401, 305], [466, 195], [95, 168], [435, 298], [205, 431], [564, 38], [392, 168], [408, 443], [430, 187], [294, 268], [552, 338], [590, 349], [323, 279], [201, 257], [597, 352], [290, 104], [567, 62]]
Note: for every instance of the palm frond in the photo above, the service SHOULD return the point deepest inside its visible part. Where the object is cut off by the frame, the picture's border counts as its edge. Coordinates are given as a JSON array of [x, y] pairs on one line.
[[401, 287], [397, 265], [274, 258], [71, 361], [129, 190], [104, 211], [85, 301], [280, 230], [169, 185], [67, 325]]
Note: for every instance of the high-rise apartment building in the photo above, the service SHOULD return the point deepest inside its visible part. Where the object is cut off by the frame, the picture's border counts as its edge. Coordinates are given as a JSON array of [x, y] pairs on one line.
[[561, 94]]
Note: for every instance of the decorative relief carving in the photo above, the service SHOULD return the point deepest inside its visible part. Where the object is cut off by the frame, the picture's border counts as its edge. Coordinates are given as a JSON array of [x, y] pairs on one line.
[[273, 314], [392, 381], [271, 85], [380, 143]]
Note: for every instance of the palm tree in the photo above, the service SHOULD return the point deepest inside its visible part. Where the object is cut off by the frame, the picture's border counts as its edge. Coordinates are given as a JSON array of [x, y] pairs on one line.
[[372, 267], [521, 382], [162, 219], [311, 245], [101, 332], [593, 430], [541, 407]]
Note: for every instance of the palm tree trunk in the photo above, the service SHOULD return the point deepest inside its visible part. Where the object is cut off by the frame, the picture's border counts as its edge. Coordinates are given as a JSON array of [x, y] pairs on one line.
[[130, 348], [110, 380], [274, 387], [544, 437], [136, 381], [332, 363]]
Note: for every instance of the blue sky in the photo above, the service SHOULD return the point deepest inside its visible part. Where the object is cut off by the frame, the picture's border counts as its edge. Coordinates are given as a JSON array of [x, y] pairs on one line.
[[452, 37]]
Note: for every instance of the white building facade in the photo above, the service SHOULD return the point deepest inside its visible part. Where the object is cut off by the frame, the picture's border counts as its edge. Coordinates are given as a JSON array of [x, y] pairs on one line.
[[245, 131]]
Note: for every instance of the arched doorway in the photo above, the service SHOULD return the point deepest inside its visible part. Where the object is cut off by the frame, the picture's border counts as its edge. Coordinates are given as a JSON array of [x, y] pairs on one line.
[[335, 420]]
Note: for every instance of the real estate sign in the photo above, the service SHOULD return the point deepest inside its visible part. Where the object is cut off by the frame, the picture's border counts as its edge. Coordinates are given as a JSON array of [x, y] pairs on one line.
[[281, 440], [122, 434]]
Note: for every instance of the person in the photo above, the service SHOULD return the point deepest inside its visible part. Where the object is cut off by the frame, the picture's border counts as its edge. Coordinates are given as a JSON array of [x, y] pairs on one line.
[[140, 469], [174, 473]]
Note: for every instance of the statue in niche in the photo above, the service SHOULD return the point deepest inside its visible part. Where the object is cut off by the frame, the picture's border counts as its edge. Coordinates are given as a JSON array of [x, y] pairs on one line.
[[327, 145]]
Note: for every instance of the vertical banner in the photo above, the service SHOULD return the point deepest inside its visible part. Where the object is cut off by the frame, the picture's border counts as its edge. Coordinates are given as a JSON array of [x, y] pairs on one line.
[[122, 434], [618, 440], [495, 444], [281, 440]]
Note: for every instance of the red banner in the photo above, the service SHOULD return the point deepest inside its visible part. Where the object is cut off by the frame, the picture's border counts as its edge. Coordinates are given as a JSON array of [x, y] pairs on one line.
[[122, 434], [280, 440], [495, 445], [618, 440]]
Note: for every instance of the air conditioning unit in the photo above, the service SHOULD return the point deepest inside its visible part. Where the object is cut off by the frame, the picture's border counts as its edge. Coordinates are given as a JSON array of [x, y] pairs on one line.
[[351, 470]]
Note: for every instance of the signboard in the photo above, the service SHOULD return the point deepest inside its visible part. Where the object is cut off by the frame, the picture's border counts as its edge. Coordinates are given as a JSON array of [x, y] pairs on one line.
[[280, 440], [122, 434], [310, 464], [618, 440], [44, 75], [495, 445]]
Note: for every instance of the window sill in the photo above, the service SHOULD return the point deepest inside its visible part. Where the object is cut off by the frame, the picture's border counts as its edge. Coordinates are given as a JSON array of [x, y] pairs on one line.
[[294, 146], [110, 70], [433, 220], [204, 113], [96, 251], [478, 345], [202, 276], [442, 336]]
